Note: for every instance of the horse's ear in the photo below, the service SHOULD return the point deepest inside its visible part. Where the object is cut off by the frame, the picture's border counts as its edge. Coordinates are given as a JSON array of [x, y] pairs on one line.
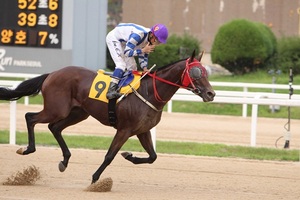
[[200, 56], [193, 56]]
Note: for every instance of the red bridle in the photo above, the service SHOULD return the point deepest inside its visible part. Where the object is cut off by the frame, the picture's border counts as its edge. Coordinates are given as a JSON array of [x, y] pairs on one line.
[[186, 79]]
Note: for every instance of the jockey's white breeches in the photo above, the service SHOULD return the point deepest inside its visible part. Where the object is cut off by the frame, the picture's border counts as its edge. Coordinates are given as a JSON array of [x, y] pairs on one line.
[[116, 49]]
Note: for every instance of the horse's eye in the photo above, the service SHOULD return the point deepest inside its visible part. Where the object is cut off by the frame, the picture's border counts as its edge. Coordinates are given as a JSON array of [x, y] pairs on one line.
[[195, 73]]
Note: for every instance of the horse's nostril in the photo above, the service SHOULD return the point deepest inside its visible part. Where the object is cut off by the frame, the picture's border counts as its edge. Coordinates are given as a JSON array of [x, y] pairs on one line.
[[211, 94]]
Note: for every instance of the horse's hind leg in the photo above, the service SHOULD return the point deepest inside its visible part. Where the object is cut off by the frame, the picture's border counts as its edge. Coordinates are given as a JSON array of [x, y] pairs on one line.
[[31, 120], [45, 116], [76, 115], [146, 141]]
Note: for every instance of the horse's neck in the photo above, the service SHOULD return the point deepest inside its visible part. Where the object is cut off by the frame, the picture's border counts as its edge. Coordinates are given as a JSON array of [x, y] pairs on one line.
[[164, 90], [173, 72]]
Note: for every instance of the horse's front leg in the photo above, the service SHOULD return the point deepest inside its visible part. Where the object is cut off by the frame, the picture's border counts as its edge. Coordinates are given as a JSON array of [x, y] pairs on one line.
[[146, 141], [30, 122], [118, 141]]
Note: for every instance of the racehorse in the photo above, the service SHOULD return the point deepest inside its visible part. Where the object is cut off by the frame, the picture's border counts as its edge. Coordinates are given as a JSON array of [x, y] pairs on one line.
[[66, 102]]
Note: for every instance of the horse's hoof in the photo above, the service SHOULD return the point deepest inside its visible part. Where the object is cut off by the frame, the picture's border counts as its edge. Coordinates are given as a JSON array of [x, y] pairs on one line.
[[126, 154], [25, 150], [61, 167], [21, 151]]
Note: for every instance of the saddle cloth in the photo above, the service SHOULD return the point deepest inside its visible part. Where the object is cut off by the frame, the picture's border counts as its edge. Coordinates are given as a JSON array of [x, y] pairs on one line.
[[101, 82]]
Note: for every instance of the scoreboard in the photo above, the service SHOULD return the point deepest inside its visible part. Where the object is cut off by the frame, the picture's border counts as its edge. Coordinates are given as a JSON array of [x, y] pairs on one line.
[[41, 36], [31, 23]]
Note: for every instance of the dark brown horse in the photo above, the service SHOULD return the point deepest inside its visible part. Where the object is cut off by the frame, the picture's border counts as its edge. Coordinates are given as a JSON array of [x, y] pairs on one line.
[[66, 103]]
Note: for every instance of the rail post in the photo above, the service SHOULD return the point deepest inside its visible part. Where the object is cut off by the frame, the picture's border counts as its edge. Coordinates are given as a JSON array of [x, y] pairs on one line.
[[12, 128]]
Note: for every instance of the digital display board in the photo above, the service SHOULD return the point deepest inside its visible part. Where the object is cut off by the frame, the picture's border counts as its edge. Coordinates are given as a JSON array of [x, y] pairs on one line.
[[31, 23]]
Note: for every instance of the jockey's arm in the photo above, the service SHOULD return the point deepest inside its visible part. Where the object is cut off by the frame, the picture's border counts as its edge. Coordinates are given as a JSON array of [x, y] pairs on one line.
[[129, 51], [143, 60], [132, 42]]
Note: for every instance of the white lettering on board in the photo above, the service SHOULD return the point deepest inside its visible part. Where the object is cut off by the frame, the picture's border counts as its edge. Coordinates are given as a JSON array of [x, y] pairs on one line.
[[10, 61]]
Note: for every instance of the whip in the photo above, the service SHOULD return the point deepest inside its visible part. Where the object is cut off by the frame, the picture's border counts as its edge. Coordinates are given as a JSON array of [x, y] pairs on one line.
[[136, 82]]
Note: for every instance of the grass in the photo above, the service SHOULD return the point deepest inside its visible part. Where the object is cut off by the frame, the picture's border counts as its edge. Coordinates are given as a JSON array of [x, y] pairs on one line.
[[169, 147]]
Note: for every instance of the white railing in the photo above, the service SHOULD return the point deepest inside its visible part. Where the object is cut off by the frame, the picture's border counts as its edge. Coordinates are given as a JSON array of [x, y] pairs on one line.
[[233, 97], [18, 75], [13, 108], [246, 86]]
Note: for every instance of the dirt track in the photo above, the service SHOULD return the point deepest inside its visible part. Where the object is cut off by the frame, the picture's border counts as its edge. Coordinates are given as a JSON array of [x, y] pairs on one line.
[[171, 176]]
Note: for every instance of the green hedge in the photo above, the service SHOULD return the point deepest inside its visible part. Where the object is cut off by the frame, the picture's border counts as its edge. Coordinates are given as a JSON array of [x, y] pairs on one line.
[[288, 55], [243, 46], [177, 47]]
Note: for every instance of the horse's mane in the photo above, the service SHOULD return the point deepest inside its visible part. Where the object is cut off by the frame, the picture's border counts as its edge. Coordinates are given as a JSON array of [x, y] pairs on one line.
[[163, 67]]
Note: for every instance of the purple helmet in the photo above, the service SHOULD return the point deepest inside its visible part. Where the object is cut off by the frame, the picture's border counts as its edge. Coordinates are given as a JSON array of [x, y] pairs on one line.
[[161, 32]]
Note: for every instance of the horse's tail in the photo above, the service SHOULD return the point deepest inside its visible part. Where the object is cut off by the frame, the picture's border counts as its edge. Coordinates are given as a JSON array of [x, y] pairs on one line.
[[29, 87]]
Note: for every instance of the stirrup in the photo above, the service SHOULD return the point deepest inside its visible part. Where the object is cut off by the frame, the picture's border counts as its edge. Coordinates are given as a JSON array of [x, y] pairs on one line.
[[113, 95]]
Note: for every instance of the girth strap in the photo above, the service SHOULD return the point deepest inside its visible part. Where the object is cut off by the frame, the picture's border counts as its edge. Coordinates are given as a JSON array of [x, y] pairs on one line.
[[112, 117]]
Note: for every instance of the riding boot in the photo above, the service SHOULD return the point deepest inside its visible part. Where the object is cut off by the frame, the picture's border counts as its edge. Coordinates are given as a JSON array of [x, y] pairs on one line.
[[113, 86], [112, 91]]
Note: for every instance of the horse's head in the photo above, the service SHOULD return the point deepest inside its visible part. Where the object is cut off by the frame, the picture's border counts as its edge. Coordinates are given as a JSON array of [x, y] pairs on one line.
[[195, 77]]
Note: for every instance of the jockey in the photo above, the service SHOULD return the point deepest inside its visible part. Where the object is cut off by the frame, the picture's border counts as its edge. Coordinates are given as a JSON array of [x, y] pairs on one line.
[[128, 40]]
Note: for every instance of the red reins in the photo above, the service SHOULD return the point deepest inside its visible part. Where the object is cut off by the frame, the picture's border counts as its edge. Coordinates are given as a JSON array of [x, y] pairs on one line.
[[156, 95]]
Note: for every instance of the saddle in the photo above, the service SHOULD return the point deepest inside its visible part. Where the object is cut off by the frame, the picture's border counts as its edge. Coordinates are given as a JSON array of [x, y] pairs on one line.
[[101, 82], [99, 88]]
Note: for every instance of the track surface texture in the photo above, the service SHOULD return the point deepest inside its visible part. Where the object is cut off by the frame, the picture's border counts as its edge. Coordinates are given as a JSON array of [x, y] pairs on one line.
[[171, 176]]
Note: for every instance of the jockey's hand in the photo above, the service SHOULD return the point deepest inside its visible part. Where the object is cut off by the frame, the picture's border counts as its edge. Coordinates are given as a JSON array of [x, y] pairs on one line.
[[148, 48], [145, 69]]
